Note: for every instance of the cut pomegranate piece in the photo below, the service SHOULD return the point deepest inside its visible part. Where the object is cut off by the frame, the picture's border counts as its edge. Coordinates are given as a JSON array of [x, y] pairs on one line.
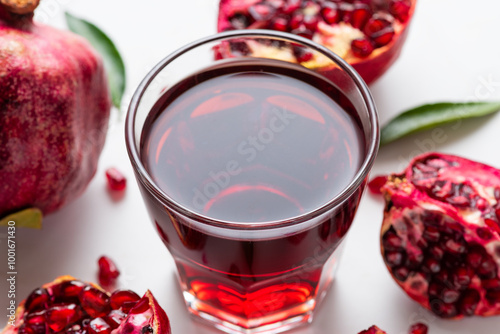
[[417, 328], [62, 311], [368, 34], [373, 330], [108, 272], [440, 236], [116, 180]]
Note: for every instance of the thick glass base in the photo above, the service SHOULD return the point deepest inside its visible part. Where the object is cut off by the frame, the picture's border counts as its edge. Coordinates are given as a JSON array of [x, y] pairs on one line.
[[228, 323], [270, 306]]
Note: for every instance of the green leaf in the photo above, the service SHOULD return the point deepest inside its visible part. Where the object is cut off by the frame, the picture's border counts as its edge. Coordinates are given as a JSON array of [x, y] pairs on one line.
[[29, 218], [432, 115], [113, 62]]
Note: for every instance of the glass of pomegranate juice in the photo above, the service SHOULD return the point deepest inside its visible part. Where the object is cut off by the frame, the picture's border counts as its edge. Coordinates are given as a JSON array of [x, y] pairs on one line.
[[251, 150]]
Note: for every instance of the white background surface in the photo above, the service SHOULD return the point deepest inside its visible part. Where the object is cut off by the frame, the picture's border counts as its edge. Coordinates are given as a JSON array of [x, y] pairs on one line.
[[451, 49]]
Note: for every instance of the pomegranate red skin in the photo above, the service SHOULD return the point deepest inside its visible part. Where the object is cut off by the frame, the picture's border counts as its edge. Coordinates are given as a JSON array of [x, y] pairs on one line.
[[453, 276], [370, 68], [54, 111]]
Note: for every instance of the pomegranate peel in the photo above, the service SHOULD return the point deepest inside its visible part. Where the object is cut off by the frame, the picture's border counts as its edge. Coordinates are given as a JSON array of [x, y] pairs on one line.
[[369, 35], [440, 237], [62, 306]]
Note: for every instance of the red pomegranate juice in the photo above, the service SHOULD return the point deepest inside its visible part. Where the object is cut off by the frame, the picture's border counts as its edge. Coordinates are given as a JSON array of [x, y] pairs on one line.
[[249, 142]]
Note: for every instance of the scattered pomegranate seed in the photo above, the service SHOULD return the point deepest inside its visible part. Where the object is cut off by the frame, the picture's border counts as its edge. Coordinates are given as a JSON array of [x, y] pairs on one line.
[[116, 180], [376, 184], [108, 272], [418, 328]]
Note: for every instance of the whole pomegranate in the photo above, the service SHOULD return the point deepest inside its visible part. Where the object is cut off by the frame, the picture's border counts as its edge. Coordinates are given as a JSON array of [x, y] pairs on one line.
[[440, 236], [70, 306], [54, 111], [368, 34]]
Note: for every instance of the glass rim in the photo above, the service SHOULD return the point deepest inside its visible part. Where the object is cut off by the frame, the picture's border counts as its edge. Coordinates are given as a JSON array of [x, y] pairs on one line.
[[171, 203]]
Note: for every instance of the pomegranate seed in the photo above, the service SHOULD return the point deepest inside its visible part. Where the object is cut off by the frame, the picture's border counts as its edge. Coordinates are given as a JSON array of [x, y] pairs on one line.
[[124, 299], [301, 54], [25, 330], [291, 6], [381, 32], [383, 37], [296, 20], [449, 295], [311, 22], [431, 234], [360, 15], [442, 309], [261, 11], [418, 328], [392, 241], [116, 180], [279, 23], [400, 9], [492, 223], [379, 181], [346, 10], [401, 273], [239, 21], [414, 260], [496, 193], [94, 302], [67, 291], [330, 12], [462, 277], [468, 303], [141, 306], [99, 326], [37, 300], [362, 48], [58, 317], [432, 265], [108, 273], [115, 318], [487, 269], [455, 247], [475, 256], [240, 47], [36, 322], [147, 329], [394, 258], [484, 233], [493, 296]]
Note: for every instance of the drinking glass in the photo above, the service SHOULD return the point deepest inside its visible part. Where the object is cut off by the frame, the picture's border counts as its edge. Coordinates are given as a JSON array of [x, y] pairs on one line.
[[251, 268]]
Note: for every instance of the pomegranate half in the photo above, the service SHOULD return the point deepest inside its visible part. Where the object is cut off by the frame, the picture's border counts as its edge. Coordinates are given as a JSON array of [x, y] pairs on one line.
[[368, 34], [440, 237], [70, 306]]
